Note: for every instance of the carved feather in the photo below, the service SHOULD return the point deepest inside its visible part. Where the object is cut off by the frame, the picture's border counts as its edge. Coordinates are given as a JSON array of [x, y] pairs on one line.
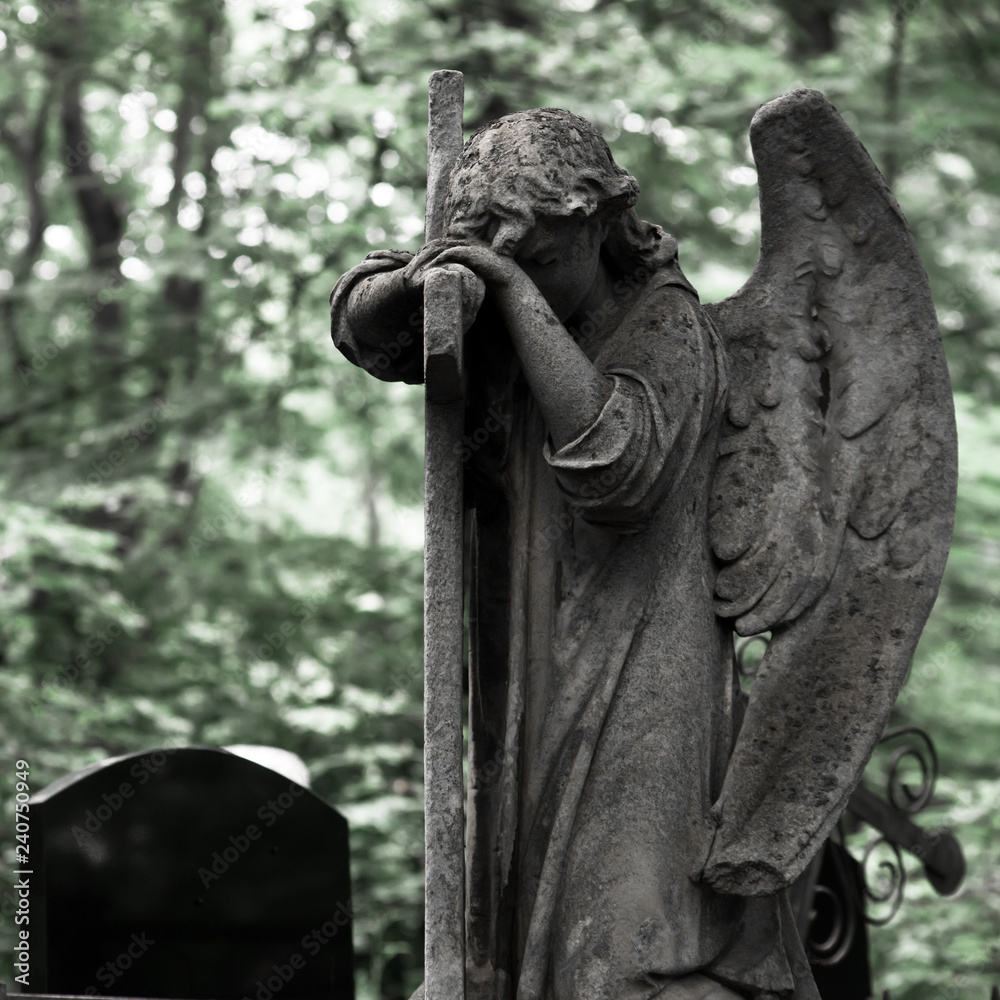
[[833, 500]]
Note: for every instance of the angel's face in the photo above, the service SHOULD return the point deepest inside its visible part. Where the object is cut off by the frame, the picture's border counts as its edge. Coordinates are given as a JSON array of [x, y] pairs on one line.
[[562, 257]]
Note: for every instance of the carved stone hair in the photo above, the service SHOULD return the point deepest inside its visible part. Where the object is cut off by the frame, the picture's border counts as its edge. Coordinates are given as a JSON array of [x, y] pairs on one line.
[[549, 162]]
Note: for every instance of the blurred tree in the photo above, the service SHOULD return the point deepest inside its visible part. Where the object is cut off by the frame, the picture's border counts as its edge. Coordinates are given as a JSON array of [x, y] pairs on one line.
[[212, 526]]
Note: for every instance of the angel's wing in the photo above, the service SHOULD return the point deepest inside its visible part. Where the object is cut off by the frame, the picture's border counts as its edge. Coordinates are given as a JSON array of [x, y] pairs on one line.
[[834, 495]]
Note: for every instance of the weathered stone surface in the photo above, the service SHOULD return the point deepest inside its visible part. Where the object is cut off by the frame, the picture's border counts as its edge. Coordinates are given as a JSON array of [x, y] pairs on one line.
[[444, 510], [444, 367], [834, 495], [642, 476]]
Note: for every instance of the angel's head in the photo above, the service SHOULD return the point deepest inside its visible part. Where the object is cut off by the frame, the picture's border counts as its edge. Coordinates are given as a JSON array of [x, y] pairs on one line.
[[543, 179]]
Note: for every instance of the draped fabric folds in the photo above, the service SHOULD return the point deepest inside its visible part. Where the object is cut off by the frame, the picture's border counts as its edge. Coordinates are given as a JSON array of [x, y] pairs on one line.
[[603, 696]]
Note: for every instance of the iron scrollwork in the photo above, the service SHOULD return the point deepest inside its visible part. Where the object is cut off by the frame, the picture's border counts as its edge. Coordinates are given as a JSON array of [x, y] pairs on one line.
[[894, 877], [902, 795]]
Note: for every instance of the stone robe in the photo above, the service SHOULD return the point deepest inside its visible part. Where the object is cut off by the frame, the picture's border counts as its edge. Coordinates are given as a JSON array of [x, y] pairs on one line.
[[603, 697]]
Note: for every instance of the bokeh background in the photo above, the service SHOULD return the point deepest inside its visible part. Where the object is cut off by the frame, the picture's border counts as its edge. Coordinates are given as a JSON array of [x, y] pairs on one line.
[[211, 522]]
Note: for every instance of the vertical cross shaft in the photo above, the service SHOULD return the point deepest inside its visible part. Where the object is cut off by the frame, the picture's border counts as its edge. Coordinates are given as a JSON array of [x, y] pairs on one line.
[[444, 900]]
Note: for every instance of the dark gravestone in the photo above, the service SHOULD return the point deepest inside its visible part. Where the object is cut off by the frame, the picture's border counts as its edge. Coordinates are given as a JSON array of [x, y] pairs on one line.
[[191, 873]]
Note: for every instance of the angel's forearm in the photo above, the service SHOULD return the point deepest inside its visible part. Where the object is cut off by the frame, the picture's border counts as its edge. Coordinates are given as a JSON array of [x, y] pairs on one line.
[[569, 390], [380, 306]]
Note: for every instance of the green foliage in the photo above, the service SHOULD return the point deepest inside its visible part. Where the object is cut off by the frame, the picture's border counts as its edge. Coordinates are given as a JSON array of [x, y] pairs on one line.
[[193, 474]]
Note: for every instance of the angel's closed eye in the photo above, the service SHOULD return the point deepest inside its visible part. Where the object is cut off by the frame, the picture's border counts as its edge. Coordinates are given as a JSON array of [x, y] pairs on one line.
[[544, 258]]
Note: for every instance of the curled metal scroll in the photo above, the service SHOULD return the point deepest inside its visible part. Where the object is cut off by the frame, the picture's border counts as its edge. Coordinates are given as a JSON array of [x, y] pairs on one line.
[[908, 798], [895, 878], [833, 916], [940, 852]]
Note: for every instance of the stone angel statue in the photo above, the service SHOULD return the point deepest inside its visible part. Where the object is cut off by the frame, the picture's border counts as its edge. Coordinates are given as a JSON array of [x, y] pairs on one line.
[[655, 474]]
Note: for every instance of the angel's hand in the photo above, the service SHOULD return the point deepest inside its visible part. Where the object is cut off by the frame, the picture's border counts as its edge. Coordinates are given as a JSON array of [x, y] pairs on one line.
[[495, 269], [415, 272], [498, 271], [473, 293], [427, 259]]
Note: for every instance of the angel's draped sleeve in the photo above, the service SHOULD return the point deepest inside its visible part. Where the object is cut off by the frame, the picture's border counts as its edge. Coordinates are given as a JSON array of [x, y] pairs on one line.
[[665, 363], [383, 337]]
